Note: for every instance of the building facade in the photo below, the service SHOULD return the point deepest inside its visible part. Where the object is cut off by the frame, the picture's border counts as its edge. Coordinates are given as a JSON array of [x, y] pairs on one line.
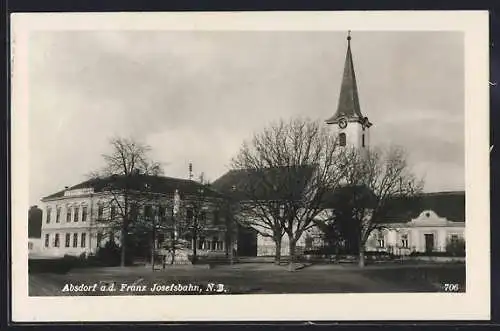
[[427, 224], [82, 218]]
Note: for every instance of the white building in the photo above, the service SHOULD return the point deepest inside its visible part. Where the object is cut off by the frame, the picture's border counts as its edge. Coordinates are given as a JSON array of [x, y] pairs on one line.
[[75, 219], [436, 220]]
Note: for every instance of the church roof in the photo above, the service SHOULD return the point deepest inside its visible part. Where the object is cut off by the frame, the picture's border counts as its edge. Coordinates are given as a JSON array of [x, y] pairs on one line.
[[344, 194], [156, 184], [277, 183], [348, 105]]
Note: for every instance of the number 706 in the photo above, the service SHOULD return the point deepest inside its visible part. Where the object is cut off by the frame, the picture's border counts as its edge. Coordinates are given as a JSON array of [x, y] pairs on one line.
[[451, 287]]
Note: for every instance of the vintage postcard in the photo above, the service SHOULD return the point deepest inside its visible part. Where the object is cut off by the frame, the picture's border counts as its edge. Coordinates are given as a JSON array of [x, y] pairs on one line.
[[246, 166]]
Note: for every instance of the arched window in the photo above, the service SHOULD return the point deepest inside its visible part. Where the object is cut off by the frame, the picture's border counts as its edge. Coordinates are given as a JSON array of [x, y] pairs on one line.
[[363, 140], [342, 139]]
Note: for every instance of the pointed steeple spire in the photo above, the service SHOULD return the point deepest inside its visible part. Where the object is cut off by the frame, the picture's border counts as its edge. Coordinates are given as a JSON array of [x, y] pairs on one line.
[[348, 106]]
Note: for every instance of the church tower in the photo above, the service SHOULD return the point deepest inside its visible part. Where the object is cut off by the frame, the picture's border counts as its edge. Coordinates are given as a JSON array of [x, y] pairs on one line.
[[350, 127]]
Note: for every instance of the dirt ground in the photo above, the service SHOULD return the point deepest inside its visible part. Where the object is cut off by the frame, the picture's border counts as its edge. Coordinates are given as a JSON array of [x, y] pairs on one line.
[[251, 278]]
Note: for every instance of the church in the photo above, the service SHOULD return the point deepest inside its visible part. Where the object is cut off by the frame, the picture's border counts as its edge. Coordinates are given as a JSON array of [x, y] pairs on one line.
[[425, 224]]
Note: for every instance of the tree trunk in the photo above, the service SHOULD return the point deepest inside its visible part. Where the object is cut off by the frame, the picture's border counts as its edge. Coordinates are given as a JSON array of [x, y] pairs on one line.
[[173, 249], [231, 252], [153, 247], [361, 258], [226, 250], [229, 249], [174, 239], [195, 244], [123, 248], [277, 256], [124, 231], [291, 261]]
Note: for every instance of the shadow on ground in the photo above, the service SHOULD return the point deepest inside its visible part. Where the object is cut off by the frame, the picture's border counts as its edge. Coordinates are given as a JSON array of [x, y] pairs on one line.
[[247, 278]]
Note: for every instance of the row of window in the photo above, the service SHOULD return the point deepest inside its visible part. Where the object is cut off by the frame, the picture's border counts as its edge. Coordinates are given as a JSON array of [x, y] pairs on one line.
[[75, 212], [213, 245], [67, 241], [162, 213], [403, 241]]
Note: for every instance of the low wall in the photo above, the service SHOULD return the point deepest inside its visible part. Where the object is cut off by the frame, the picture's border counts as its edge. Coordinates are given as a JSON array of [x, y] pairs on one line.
[[442, 259], [381, 258]]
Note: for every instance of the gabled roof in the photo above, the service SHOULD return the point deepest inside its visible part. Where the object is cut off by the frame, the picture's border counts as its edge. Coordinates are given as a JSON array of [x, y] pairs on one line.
[[238, 183], [156, 184], [348, 105], [276, 183], [450, 205]]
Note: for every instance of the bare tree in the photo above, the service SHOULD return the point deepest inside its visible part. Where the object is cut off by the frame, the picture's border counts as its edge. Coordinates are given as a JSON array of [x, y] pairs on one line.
[[123, 177], [292, 165], [372, 179], [196, 216]]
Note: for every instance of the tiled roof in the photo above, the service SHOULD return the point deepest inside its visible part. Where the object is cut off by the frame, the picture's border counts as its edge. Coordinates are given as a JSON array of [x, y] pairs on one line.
[[339, 195], [157, 184], [450, 205], [235, 183], [267, 184]]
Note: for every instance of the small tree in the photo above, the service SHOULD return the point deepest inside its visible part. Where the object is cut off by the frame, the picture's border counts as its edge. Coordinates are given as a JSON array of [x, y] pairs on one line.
[[195, 217], [373, 179], [123, 176], [455, 247]]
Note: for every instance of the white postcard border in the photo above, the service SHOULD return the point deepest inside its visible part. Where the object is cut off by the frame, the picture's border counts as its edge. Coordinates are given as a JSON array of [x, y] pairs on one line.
[[472, 305]]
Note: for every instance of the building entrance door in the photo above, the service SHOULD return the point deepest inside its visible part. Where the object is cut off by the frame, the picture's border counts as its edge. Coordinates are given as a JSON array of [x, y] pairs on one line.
[[247, 242], [429, 242]]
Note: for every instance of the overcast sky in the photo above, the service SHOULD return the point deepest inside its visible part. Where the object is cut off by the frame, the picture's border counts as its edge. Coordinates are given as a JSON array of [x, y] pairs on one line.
[[195, 96]]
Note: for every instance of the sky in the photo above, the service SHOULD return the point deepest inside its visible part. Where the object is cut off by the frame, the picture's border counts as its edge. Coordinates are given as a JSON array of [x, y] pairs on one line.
[[196, 96]]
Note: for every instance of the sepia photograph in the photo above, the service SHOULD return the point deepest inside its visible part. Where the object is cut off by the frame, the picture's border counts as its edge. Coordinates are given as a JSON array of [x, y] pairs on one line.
[[198, 158]]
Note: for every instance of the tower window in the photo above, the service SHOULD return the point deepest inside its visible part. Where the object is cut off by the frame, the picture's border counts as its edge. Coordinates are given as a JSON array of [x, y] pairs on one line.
[[363, 140], [342, 139]]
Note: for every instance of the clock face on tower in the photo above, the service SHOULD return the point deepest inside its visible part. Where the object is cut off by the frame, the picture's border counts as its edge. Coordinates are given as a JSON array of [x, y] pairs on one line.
[[343, 123]]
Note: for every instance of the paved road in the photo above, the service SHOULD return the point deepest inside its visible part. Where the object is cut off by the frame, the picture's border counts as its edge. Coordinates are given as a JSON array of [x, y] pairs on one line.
[[263, 278]]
